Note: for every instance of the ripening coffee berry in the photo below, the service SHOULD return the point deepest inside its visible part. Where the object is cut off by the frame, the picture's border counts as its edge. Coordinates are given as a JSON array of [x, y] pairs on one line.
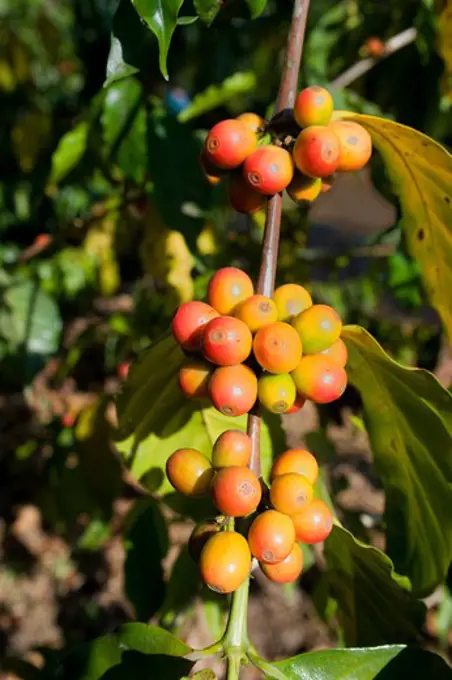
[[300, 461], [374, 47], [298, 405], [337, 351], [233, 389], [229, 143], [243, 198], [317, 151], [313, 106], [313, 524], [356, 145], [318, 327], [303, 189], [227, 287], [291, 299], [211, 172], [288, 570], [257, 311], [188, 324], [269, 169], [253, 121], [226, 341], [190, 472], [290, 492], [277, 393], [236, 491], [225, 561], [277, 347], [194, 378], [233, 447], [320, 379], [199, 537], [271, 537]]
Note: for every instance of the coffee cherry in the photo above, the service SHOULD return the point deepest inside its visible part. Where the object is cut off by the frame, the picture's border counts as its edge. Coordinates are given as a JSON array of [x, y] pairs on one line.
[[229, 143], [317, 151], [211, 172], [338, 352], [313, 106], [313, 524], [277, 347], [269, 169], [290, 492], [227, 287], [188, 324], [243, 198], [252, 121], [298, 404], [374, 47], [318, 327], [199, 537], [194, 378], [225, 561], [233, 447], [257, 311], [288, 570], [226, 341], [356, 145], [277, 393], [233, 389], [320, 379], [271, 537], [190, 472], [303, 189], [300, 461], [291, 299], [236, 491]]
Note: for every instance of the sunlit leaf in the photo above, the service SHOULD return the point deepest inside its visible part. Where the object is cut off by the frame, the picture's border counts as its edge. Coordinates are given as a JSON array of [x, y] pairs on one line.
[[256, 7], [207, 9], [161, 17], [69, 152], [219, 95]]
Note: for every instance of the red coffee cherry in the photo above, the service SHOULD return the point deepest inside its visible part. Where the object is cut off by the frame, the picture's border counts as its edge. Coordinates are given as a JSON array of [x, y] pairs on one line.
[[122, 369], [290, 492], [236, 491], [337, 351], [233, 447], [257, 311], [252, 121], [277, 347], [317, 151], [356, 145], [375, 47], [300, 461], [291, 299], [303, 189], [318, 327], [313, 524], [277, 393], [288, 570], [227, 287], [211, 172], [190, 472], [320, 379], [271, 537], [243, 198], [233, 389], [188, 324], [313, 106], [227, 341], [269, 169], [225, 562], [194, 378], [298, 405], [199, 537], [229, 143]]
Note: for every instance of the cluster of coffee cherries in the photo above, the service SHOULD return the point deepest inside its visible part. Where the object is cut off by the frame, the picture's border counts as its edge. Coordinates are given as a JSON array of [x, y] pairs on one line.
[[272, 521], [304, 163], [243, 347]]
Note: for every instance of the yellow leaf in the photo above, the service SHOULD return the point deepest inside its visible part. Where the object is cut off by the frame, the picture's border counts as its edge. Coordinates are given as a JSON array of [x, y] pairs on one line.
[[206, 241], [100, 241], [445, 47]]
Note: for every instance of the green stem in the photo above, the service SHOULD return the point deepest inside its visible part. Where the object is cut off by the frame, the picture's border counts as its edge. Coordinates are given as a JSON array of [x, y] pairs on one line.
[[235, 640]]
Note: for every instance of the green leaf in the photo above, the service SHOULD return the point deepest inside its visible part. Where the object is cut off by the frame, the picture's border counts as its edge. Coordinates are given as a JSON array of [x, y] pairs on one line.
[[151, 640], [256, 7], [161, 17], [408, 416], [242, 82], [157, 667], [375, 605], [69, 152], [207, 9]]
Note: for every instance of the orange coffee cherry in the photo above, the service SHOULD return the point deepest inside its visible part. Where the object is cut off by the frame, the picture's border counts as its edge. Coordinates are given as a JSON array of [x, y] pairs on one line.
[[225, 561], [300, 461], [233, 389], [226, 341], [194, 378], [243, 198], [313, 524], [317, 151], [318, 327], [271, 537], [229, 143], [199, 537], [337, 351], [277, 393], [269, 169], [356, 145], [303, 189], [257, 311], [253, 121], [211, 172], [277, 347], [288, 570], [290, 492], [190, 472], [298, 404], [236, 491], [320, 379], [375, 47], [233, 447], [291, 299], [188, 324], [227, 287], [313, 106]]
